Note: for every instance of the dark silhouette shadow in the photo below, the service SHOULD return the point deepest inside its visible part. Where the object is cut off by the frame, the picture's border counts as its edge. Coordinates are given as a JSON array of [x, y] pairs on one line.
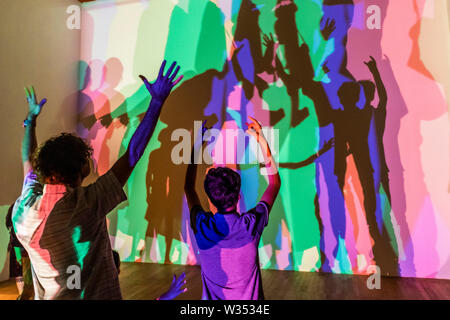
[[328, 202], [309, 160], [407, 70], [165, 179], [352, 126], [361, 127], [299, 66]]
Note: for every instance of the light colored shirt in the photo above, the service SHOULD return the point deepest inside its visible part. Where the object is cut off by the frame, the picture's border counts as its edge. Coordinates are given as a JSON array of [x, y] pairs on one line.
[[228, 246], [64, 232]]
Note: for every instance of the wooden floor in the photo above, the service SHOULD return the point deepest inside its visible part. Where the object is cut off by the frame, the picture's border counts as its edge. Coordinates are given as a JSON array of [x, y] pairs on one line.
[[141, 281]]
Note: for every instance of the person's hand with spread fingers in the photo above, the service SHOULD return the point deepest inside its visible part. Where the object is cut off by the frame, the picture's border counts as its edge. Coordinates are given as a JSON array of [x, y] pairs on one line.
[[176, 288]]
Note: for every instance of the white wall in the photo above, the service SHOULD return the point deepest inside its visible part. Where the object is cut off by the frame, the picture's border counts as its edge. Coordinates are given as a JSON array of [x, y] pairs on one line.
[[36, 48]]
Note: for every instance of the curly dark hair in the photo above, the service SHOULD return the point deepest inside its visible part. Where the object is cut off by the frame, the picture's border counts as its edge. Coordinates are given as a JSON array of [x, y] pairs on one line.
[[222, 185], [62, 159]]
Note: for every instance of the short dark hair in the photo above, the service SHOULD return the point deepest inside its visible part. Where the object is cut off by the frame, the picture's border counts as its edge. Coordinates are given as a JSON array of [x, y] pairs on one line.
[[62, 158], [222, 185]]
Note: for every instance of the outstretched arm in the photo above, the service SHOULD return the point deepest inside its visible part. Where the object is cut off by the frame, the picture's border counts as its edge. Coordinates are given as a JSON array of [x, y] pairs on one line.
[[191, 173], [271, 192], [382, 94], [269, 43], [159, 90], [296, 165], [29, 142]]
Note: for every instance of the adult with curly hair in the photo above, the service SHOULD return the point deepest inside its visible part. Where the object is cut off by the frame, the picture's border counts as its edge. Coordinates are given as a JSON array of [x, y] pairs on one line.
[[61, 224]]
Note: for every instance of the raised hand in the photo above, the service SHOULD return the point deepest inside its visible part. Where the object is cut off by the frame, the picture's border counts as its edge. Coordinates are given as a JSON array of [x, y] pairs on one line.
[[328, 145], [34, 108], [124, 119], [381, 88], [160, 89], [254, 128], [328, 29], [268, 40], [176, 288], [89, 121], [106, 120], [372, 65]]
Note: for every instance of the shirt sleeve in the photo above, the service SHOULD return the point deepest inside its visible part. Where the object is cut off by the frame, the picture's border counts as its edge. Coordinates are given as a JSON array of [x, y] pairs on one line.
[[257, 218], [196, 216], [206, 231], [104, 194], [31, 189]]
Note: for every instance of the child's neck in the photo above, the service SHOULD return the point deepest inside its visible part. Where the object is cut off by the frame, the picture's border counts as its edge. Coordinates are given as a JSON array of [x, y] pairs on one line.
[[229, 210]]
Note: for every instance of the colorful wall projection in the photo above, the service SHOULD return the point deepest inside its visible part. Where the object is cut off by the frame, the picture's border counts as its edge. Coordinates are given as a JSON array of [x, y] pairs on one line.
[[363, 145]]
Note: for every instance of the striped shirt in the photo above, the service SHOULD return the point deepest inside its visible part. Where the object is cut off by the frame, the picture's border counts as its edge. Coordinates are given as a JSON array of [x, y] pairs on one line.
[[64, 232]]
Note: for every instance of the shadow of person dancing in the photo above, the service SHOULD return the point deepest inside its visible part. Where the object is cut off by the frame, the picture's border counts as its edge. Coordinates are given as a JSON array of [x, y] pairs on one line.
[[114, 128], [385, 145], [352, 127], [386, 251], [110, 146], [165, 175], [93, 105], [329, 200], [298, 65], [245, 74]]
